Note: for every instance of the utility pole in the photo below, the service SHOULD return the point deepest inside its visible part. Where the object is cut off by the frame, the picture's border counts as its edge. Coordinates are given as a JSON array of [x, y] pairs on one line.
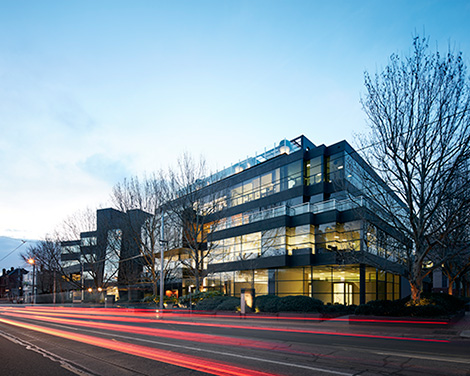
[[54, 290], [162, 246], [32, 261], [83, 285]]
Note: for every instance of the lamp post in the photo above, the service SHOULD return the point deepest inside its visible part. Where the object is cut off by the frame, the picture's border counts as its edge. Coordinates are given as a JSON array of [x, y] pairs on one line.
[[83, 285], [32, 261], [162, 280]]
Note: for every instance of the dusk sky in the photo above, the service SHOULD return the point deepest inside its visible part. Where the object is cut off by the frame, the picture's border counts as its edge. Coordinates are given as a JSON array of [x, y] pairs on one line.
[[92, 92]]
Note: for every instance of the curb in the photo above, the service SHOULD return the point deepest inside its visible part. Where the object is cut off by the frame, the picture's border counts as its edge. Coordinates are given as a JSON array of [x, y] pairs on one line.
[[465, 334]]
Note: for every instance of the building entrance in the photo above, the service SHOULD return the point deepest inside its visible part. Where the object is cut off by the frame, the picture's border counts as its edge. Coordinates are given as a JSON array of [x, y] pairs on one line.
[[343, 293]]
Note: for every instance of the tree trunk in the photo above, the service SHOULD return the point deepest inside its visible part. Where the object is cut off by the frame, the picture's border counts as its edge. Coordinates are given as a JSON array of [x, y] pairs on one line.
[[415, 292], [451, 287], [155, 288], [198, 287]]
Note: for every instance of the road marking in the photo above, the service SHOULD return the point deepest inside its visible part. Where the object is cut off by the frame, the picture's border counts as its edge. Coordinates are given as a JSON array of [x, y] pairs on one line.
[[64, 363], [290, 365]]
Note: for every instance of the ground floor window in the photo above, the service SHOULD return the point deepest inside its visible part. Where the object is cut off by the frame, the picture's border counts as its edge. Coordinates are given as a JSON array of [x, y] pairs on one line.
[[328, 283]]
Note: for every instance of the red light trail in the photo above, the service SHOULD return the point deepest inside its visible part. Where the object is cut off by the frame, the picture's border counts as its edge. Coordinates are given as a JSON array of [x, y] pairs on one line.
[[70, 313], [163, 333], [164, 356], [171, 313]]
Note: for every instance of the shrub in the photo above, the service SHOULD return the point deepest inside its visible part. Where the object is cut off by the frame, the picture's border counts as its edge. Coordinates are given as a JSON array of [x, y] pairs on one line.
[[428, 310], [449, 302], [229, 303], [431, 305], [267, 303], [299, 303], [209, 303], [339, 308], [293, 303], [198, 296], [383, 308], [156, 299]]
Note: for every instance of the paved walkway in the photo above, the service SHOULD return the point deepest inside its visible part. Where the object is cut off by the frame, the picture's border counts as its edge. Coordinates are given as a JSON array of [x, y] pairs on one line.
[[463, 326]]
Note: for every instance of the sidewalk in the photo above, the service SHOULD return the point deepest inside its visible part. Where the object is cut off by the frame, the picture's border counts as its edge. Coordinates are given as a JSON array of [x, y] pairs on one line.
[[463, 325]]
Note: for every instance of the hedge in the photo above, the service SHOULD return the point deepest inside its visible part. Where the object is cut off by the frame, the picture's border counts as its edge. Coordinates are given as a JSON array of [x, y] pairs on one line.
[[293, 303], [431, 305]]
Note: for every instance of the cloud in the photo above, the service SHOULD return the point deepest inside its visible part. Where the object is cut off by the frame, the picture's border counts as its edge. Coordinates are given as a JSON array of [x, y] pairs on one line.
[[104, 168]]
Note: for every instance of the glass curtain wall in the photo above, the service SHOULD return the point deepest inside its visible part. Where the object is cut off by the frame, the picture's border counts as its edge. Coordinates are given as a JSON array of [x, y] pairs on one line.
[[381, 285], [314, 171], [250, 246], [338, 236], [266, 184], [329, 283], [113, 254]]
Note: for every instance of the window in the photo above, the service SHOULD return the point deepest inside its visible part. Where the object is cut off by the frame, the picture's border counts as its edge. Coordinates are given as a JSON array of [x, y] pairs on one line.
[[89, 241], [313, 171], [335, 167]]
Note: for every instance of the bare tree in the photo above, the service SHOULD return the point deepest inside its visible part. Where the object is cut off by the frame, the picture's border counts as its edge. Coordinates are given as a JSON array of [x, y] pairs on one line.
[[456, 267], [455, 248], [46, 254], [418, 111], [142, 200], [88, 253], [193, 211]]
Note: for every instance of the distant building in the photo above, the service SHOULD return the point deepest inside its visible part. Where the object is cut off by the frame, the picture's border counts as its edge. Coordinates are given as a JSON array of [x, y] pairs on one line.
[[107, 259], [11, 284]]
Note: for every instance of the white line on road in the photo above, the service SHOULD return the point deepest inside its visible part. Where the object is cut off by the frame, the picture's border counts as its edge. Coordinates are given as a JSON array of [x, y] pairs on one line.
[[64, 363], [290, 365]]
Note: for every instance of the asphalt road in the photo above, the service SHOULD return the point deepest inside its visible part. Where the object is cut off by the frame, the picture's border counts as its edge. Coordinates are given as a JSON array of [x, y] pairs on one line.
[[127, 342]]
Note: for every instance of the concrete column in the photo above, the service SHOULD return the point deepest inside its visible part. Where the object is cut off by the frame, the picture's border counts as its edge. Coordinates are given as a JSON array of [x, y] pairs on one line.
[[362, 284]]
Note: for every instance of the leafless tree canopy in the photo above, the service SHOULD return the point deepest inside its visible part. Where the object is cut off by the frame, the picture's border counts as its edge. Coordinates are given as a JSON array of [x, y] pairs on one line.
[[193, 212], [46, 255], [418, 111], [148, 196], [90, 262], [73, 225]]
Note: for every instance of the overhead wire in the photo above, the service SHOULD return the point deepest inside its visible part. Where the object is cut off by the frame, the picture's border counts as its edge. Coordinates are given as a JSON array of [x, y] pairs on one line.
[[23, 243]]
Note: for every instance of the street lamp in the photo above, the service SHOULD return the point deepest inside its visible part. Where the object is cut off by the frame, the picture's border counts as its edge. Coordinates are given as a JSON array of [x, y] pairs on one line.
[[162, 251], [32, 261]]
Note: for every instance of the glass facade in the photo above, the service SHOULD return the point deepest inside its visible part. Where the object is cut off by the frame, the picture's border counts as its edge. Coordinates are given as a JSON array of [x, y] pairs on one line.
[[113, 254], [300, 238], [314, 171], [250, 246], [328, 283], [338, 236], [88, 241], [334, 167], [266, 184], [296, 211]]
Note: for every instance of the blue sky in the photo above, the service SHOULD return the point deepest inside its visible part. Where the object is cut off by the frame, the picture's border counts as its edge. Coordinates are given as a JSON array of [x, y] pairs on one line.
[[95, 91]]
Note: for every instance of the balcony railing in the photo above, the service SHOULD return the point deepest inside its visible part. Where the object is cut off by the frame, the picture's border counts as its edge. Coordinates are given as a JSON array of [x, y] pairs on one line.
[[291, 211]]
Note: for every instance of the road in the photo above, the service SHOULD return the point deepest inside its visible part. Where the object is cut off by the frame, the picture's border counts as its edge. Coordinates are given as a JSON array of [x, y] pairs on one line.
[[91, 341]]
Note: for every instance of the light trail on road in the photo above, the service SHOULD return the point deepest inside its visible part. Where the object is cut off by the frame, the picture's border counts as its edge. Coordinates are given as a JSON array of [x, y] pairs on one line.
[[232, 326], [251, 347], [163, 333], [182, 360], [151, 313]]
